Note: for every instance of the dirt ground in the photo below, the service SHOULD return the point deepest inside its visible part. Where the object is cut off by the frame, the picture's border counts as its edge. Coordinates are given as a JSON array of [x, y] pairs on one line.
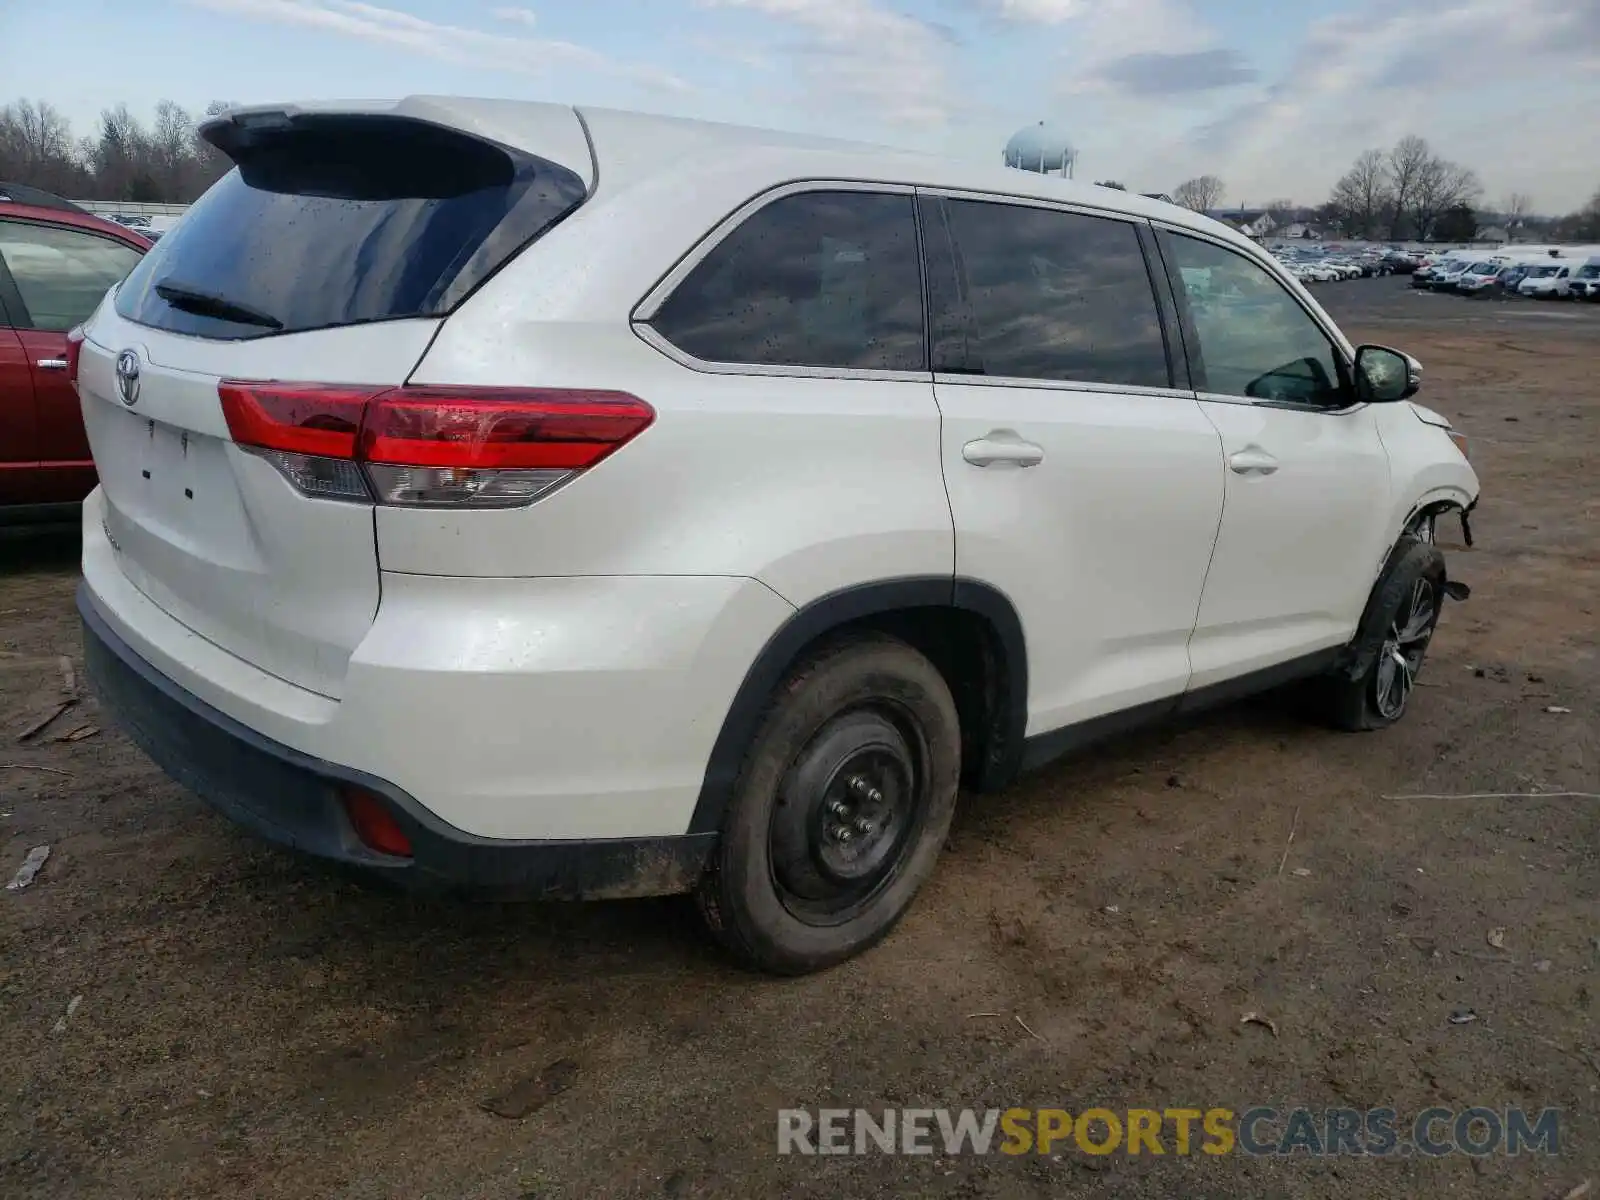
[[251, 1026]]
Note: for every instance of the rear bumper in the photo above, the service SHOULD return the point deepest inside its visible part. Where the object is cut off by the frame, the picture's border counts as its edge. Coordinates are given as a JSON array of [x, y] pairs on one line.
[[293, 799]]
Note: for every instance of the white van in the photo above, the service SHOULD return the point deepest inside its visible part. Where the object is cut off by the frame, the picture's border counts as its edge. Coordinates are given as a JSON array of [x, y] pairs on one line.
[[1480, 276], [1585, 281], [1547, 281]]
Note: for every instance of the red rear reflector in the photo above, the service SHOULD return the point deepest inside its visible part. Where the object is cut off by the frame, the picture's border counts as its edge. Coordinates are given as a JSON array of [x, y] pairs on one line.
[[303, 418], [375, 824], [494, 428], [74, 352]]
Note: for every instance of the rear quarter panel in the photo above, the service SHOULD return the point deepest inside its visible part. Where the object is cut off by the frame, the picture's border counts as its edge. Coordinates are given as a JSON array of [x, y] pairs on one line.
[[809, 485]]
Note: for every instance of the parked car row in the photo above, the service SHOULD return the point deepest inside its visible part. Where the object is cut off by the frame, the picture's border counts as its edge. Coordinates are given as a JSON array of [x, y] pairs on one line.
[[1317, 265], [1540, 273]]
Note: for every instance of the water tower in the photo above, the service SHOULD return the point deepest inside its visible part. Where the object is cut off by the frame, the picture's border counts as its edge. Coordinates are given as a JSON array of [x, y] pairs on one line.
[[1043, 149]]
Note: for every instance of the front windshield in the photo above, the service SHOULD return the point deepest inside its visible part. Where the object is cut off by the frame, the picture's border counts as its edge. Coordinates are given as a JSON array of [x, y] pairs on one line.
[[1543, 272]]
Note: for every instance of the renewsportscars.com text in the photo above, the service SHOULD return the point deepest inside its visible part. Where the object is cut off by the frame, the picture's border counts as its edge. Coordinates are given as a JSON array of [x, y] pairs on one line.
[[1259, 1132]]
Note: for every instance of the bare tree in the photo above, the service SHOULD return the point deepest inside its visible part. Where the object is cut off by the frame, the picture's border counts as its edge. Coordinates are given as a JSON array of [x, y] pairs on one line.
[[1440, 185], [122, 160], [1515, 211], [172, 147], [36, 146], [1281, 211], [1407, 161], [1363, 193], [1201, 194]]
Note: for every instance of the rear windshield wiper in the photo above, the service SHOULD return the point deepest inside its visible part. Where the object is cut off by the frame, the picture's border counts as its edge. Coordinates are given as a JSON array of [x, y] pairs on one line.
[[209, 304]]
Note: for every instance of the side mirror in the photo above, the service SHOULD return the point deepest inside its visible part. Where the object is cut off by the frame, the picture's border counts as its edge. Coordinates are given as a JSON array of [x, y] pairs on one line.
[[1384, 375]]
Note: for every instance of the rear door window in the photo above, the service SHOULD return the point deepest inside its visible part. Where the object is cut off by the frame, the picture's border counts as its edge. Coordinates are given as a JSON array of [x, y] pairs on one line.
[[815, 279], [1057, 295], [338, 220], [60, 274]]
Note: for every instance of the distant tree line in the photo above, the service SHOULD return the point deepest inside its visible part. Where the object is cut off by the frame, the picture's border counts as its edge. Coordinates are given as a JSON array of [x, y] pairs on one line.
[[1408, 191], [123, 159], [1411, 192]]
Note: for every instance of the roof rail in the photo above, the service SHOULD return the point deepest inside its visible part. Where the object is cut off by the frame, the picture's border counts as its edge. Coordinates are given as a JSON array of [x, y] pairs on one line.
[[21, 193]]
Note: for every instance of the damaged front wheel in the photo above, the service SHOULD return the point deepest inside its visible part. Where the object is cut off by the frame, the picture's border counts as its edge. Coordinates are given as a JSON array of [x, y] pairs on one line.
[[1371, 688]]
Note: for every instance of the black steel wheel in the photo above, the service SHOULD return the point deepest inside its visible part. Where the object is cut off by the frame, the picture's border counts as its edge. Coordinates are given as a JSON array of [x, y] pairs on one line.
[[841, 808]]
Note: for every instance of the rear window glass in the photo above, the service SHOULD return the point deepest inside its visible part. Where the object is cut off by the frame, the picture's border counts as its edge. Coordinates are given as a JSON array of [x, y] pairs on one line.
[[816, 279], [343, 220]]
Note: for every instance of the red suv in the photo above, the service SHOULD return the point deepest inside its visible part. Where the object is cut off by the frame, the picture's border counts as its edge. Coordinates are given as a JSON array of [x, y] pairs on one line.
[[56, 262]]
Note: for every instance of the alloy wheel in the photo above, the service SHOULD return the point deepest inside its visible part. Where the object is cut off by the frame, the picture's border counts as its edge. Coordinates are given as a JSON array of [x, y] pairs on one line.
[[1403, 649]]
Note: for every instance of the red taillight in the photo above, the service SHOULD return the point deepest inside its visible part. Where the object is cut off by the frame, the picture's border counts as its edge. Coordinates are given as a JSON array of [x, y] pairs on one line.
[[302, 418], [375, 824], [431, 446], [490, 428], [74, 352]]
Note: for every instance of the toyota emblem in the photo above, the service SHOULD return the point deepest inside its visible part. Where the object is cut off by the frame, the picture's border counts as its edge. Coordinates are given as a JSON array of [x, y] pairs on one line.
[[128, 377]]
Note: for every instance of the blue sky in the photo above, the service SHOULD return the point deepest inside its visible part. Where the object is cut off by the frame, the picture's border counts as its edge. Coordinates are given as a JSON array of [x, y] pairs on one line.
[[1276, 98]]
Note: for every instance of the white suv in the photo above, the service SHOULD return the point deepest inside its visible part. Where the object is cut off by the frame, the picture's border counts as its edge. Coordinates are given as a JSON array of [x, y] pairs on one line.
[[580, 503]]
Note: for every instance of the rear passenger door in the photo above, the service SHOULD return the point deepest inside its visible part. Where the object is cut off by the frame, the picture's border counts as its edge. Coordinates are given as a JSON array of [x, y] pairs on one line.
[[1084, 480]]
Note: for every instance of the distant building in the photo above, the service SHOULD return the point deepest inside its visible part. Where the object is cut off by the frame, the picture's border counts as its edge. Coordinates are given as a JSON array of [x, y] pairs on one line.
[[1252, 222], [1493, 233], [1042, 149]]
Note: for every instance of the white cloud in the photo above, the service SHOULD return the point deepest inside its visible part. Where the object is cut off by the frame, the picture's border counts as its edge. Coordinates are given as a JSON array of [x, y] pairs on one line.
[[1097, 30], [1044, 12], [1429, 67], [516, 16], [450, 43], [856, 54]]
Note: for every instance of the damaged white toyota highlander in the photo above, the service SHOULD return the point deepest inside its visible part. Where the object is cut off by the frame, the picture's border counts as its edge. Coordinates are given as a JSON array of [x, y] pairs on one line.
[[575, 503]]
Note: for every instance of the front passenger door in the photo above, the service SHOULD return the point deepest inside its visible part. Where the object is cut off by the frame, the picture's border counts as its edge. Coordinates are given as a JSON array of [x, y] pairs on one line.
[[1306, 509]]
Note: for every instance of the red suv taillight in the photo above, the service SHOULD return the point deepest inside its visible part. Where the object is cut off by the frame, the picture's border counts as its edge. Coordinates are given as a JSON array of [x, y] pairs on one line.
[[74, 352], [422, 446]]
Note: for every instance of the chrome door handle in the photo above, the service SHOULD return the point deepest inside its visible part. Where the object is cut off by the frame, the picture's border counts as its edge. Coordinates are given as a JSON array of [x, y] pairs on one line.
[[51, 364], [1002, 447], [1252, 460]]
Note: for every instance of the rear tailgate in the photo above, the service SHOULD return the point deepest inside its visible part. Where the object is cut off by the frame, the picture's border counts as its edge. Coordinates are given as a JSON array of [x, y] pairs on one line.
[[331, 255], [215, 535]]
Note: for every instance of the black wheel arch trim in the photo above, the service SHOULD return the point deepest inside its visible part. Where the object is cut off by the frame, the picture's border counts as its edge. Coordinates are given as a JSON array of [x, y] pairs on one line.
[[1358, 654], [1437, 508], [836, 611]]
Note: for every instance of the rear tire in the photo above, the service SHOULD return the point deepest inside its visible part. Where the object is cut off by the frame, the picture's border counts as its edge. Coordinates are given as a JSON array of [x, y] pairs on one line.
[[1391, 644], [841, 808]]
